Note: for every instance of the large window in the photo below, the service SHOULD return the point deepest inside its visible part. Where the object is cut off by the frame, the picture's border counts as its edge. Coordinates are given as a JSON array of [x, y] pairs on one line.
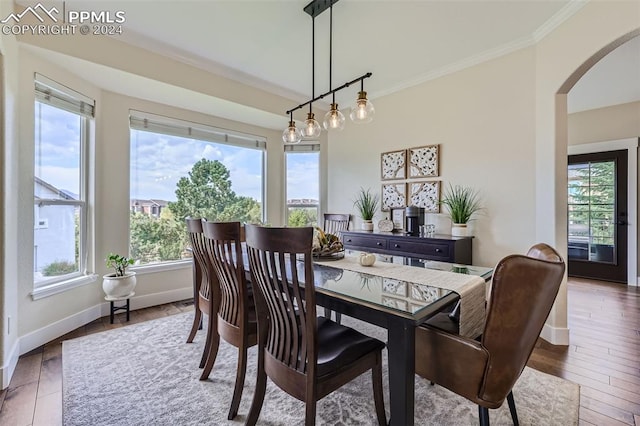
[[303, 184], [60, 193], [181, 169]]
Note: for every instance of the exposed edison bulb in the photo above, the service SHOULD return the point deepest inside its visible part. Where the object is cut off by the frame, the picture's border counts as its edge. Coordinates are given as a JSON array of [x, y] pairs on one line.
[[334, 119], [291, 135], [311, 128], [362, 111]]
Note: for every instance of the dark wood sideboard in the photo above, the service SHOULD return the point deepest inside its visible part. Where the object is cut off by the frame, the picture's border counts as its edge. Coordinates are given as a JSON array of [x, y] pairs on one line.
[[443, 248]]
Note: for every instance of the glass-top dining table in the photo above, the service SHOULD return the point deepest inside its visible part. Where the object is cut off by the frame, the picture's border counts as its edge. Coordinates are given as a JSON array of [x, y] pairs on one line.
[[398, 306]]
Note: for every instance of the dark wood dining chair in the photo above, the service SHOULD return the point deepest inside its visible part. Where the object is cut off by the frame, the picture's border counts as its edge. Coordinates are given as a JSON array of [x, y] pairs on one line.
[[206, 288], [306, 356], [237, 323], [334, 223], [484, 370]]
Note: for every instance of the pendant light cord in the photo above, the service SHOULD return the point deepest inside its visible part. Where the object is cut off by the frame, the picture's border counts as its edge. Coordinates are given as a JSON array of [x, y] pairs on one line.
[[331, 49], [313, 62]]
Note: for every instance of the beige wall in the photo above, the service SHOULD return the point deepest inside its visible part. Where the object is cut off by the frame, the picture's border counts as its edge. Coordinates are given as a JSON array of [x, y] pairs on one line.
[[8, 202], [483, 119], [605, 124]]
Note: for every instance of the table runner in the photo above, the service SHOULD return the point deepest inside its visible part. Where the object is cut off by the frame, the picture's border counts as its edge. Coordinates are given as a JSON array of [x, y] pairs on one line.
[[471, 288]]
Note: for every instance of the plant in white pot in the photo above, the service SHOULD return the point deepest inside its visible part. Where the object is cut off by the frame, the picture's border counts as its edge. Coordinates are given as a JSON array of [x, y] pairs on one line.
[[462, 203], [120, 283], [366, 203]]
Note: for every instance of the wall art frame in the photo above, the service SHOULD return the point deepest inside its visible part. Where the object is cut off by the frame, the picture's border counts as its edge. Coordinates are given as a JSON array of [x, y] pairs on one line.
[[393, 165], [394, 195], [425, 194], [423, 161], [397, 217]]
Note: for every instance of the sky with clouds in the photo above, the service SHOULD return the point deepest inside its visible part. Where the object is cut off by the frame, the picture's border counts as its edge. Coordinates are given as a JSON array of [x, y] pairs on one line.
[[158, 161]]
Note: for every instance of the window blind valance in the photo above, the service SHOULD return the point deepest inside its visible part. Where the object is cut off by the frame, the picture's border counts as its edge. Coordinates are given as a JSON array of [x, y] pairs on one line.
[[144, 121], [59, 96], [309, 147]]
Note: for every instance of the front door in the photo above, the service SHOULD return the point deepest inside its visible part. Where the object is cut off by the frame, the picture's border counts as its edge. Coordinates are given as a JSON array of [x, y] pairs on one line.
[[597, 203]]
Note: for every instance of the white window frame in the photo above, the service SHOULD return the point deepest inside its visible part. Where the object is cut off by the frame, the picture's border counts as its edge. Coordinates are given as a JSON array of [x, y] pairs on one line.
[[51, 93], [292, 150], [154, 123]]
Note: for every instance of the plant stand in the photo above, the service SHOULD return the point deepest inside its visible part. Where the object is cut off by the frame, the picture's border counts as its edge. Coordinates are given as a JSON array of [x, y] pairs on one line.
[[113, 308]]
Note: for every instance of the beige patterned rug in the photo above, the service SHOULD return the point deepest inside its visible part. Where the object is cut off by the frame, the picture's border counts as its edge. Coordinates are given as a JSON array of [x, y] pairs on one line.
[[144, 374]]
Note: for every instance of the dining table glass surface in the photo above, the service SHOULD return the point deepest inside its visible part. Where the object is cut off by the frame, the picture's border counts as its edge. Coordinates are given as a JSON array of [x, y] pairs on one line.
[[389, 294]]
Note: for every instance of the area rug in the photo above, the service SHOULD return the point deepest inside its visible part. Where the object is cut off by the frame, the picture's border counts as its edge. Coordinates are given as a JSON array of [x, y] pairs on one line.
[[145, 374]]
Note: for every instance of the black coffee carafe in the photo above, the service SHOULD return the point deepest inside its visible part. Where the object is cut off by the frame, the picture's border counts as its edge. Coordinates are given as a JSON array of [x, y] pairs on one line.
[[414, 217]]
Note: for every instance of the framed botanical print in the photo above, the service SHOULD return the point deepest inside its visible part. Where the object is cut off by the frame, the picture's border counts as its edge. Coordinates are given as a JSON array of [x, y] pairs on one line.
[[393, 165], [423, 161], [393, 196], [424, 194]]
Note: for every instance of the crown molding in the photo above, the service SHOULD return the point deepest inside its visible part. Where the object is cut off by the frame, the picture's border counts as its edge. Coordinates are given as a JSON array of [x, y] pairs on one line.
[[558, 18]]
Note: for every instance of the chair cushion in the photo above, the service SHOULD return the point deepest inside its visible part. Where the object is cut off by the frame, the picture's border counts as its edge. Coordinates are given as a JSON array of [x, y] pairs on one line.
[[339, 345]]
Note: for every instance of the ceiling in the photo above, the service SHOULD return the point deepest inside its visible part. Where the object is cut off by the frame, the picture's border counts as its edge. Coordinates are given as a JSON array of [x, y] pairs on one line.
[[403, 43]]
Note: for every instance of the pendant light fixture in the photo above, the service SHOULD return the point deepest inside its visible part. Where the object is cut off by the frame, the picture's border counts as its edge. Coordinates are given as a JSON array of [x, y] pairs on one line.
[[291, 135], [362, 110]]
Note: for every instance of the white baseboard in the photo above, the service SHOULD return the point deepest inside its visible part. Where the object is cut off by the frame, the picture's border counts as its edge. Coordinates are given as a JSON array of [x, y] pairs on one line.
[[6, 372], [50, 332], [555, 335]]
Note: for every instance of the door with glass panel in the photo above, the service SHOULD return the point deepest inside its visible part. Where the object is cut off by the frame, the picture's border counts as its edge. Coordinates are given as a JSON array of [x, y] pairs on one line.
[[597, 216]]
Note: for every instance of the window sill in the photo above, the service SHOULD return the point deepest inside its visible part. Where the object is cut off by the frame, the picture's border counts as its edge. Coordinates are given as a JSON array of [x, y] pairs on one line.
[[160, 267], [61, 287]]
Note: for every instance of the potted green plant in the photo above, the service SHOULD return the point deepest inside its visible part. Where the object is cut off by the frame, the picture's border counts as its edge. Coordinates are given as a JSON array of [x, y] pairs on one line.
[[462, 202], [120, 283], [366, 203]]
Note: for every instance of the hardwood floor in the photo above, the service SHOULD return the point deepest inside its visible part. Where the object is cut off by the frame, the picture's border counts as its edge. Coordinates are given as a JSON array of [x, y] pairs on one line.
[[603, 357]]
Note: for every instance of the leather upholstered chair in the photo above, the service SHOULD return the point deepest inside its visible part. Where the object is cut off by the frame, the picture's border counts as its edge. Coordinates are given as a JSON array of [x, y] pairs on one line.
[[484, 371], [334, 223], [306, 356], [203, 299], [237, 323]]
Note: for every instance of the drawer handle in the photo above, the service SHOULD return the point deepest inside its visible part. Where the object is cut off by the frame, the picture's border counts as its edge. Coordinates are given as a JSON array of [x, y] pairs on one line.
[[349, 240], [438, 250], [396, 245], [379, 243]]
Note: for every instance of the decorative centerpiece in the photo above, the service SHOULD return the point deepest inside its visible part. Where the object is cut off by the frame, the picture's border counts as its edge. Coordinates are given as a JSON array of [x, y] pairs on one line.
[[326, 246]]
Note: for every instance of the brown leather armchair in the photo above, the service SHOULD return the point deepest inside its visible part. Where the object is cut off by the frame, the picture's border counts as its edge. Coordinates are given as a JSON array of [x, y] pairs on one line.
[[522, 294]]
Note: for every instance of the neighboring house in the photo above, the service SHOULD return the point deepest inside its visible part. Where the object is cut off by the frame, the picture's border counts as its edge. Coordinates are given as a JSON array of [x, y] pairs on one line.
[[49, 220], [149, 207]]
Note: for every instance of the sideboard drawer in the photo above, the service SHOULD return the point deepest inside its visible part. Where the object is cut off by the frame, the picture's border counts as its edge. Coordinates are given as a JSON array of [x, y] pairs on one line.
[[435, 251], [365, 242]]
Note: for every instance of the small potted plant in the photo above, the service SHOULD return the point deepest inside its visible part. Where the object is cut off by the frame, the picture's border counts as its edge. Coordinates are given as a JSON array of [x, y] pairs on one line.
[[462, 202], [366, 203], [118, 284]]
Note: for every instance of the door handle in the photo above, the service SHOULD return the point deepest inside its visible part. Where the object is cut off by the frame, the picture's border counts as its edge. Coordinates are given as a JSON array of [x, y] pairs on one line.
[[622, 222]]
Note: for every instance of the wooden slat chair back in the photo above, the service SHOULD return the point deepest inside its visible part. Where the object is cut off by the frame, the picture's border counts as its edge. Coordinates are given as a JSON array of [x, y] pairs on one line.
[[334, 223], [302, 354], [206, 288], [236, 312]]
